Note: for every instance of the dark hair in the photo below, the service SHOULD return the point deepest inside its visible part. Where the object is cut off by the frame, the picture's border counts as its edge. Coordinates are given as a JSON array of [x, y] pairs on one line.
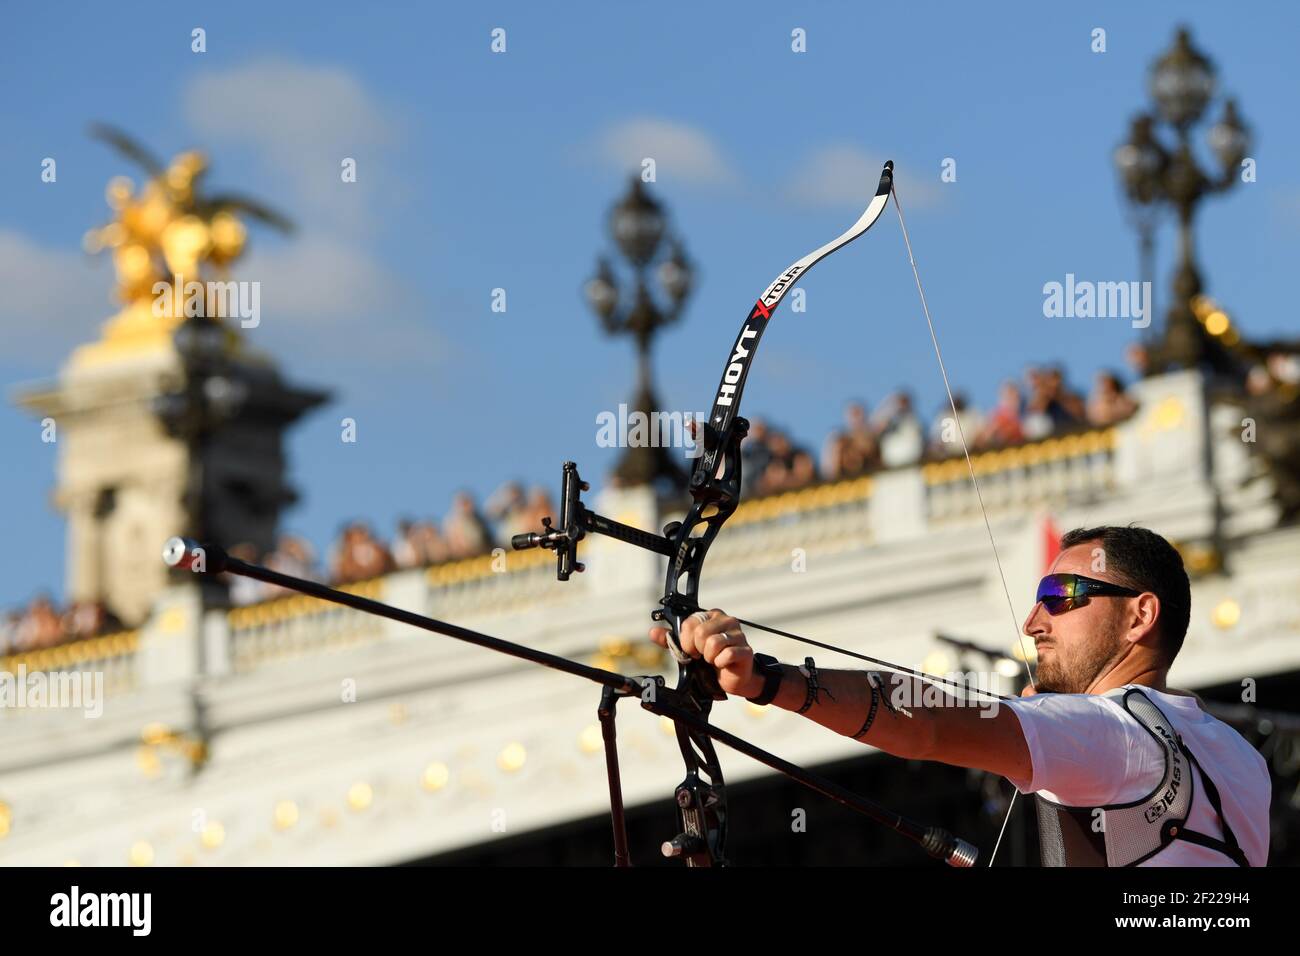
[[1142, 560]]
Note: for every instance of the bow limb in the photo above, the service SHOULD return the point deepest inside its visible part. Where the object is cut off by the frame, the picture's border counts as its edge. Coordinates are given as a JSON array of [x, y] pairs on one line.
[[701, 797], [726, 402], [715, 479]]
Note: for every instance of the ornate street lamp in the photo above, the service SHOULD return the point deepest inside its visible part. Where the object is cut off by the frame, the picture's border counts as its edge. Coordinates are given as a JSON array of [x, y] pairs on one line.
[[638, 227], [1182, 82], [1155, 176], [637, 224], [210, 396]]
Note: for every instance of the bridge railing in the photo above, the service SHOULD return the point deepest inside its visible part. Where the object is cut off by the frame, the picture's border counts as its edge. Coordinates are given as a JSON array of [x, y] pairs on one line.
[[829, 517]]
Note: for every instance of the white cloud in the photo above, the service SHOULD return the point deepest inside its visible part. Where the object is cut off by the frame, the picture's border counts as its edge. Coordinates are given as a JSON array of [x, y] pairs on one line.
[[846, 175], [325, 294], [327, 298], [680, 151], [320, 299], [53, 300], [304, 120]]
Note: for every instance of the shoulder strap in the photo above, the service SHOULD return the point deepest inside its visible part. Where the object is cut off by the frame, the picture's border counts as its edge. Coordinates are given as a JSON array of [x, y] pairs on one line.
[[1228, 845]]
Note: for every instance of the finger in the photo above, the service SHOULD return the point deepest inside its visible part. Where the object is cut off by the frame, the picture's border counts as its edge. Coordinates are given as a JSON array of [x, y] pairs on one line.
[[720, 620], [733, 656], [693, 633], [706, 633], [725, 632], [706, 623], [659, 635], [686, 630]]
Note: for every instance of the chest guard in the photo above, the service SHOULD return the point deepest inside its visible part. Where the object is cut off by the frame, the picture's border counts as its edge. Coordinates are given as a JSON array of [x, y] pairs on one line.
[[1129, 833]]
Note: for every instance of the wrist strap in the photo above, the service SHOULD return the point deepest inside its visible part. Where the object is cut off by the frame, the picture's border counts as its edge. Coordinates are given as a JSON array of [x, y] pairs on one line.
[[879, 695], [815, 689], [871, 713], [772, 675]]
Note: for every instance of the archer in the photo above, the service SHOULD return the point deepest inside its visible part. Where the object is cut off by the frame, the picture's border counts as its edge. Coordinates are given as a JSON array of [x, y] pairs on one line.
[[1125, 770]]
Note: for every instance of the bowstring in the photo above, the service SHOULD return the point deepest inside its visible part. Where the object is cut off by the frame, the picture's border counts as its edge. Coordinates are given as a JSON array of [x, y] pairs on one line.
[[919, 675], [970, 468]]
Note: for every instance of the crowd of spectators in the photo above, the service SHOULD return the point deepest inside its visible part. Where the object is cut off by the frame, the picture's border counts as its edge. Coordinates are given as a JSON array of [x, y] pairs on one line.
[[468, 530], [358, 553], [1276, 372], [891, 436], [41, 624]]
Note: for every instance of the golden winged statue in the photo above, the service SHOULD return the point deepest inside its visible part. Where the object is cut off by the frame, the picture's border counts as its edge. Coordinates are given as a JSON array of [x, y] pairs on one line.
[[168, 228]]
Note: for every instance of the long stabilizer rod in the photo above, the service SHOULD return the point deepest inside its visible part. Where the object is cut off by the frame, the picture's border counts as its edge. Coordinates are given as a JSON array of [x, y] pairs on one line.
[[188, 555]]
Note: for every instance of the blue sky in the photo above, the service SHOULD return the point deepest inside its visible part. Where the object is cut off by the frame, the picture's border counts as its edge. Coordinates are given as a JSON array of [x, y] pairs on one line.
[[479, 171]]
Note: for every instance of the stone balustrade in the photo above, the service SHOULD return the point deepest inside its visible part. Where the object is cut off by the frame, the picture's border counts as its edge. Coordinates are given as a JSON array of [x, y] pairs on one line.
[[829, 517]]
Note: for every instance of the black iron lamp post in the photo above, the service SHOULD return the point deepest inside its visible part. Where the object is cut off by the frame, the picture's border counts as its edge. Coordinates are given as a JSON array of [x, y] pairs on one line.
[[639, 228], [210, 396], [1157, 175]]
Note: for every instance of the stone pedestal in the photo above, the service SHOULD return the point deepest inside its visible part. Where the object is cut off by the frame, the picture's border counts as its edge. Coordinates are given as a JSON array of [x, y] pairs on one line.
[[122, 477], [1166, 442]]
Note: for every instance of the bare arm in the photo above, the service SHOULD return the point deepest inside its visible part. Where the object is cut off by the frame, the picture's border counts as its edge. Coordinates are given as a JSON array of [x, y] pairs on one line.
[[912, 720], [928, 726]]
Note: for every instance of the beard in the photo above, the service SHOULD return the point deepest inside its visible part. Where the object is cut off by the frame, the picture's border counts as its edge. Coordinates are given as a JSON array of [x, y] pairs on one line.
[[1075, 674]]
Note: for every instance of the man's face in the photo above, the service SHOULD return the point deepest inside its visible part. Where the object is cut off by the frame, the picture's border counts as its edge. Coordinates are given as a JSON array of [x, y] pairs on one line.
[[1078, 646]]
